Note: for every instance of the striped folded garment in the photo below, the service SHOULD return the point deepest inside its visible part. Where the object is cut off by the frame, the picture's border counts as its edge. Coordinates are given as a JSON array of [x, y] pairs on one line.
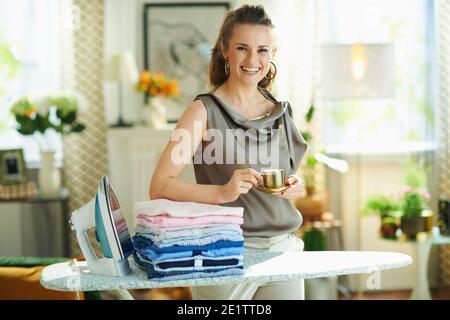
[[229, 267], [145, 244], [147, 248], [197, 263], [194, 241], [188, 232]]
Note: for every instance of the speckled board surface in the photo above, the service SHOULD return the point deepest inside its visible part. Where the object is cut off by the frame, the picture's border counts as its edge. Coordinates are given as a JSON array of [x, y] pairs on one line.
[[259, 266]]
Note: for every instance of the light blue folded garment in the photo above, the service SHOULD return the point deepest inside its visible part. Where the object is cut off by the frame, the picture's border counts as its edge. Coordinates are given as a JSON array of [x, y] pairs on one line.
[[144, 245], [198, 257], [194, 241], [188, 233], [199, 275], [156, 256]]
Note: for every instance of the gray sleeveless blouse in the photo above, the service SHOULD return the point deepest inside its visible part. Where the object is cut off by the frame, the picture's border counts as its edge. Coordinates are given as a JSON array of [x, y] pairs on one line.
[[235, 142]]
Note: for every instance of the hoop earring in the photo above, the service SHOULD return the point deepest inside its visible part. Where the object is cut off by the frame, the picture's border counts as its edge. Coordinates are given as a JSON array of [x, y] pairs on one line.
[[227, 68], [274, 72]]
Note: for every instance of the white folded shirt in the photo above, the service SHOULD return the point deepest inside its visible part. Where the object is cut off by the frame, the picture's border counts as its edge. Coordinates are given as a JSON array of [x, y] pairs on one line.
[[184, 209]]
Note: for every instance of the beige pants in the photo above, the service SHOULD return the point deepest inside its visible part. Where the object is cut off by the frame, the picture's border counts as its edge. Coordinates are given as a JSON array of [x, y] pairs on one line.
[[275, 290]]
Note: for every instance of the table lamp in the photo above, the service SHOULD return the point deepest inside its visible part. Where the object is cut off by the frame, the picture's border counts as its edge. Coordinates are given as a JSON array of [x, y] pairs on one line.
[[121, 68], [358, 71]]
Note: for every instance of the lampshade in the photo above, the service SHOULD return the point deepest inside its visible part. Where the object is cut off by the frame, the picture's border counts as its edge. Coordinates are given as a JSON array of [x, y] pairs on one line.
[[121, 67], [358, 71]]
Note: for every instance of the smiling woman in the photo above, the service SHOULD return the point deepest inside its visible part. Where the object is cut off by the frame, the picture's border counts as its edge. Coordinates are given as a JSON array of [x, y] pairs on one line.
[[249, 53], [240, 100]]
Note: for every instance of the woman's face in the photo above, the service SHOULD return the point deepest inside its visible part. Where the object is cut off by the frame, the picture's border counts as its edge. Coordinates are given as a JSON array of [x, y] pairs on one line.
[[249, 52]]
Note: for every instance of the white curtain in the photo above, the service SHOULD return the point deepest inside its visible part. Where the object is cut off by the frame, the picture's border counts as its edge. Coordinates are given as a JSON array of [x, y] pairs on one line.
[[30, 28]]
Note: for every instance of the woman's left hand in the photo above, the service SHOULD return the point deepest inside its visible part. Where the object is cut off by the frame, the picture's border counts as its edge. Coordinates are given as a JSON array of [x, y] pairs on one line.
[[295, 188]]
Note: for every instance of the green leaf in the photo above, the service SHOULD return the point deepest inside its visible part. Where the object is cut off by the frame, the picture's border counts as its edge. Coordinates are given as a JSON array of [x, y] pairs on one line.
[[311, 161], [27, 125], [307, 136], [42, 123], [310, 113], [59, 128], [67, 118], [413, 204], [78, 127], [415, 175], [382, 205]]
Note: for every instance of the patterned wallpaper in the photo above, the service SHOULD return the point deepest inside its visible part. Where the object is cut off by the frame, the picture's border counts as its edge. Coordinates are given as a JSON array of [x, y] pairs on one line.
[[85, 154], [443, 157]]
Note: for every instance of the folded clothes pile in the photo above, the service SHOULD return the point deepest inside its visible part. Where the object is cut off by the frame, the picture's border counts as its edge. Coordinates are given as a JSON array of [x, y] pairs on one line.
[[187, 240]]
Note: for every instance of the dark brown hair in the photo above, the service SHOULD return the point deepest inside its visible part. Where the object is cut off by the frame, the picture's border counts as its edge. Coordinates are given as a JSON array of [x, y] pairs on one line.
[[245, 14]]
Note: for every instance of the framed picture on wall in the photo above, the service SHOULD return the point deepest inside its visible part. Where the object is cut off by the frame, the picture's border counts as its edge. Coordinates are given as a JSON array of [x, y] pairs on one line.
[[178, 38], [12, 167]]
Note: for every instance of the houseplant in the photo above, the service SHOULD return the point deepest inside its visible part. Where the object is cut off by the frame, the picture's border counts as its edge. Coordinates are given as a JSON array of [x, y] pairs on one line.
[[38, 116], [156, 87], [388, 208], [314, 203], [416, 215]]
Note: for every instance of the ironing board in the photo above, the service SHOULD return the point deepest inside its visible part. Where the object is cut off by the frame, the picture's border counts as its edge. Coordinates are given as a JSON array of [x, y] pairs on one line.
[[259, 266]]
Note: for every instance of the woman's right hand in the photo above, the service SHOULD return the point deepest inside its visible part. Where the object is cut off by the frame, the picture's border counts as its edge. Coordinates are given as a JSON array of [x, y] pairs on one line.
[[241, 182]]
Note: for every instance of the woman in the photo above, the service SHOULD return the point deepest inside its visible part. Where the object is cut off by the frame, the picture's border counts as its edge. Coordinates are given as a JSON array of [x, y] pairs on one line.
[[241, 72]]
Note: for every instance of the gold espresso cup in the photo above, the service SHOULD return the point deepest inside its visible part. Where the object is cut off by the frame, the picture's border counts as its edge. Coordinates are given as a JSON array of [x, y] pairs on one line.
[[273, 178]]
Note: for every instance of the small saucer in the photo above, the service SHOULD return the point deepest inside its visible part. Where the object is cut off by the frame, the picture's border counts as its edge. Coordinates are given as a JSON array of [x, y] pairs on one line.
[[272, 190]]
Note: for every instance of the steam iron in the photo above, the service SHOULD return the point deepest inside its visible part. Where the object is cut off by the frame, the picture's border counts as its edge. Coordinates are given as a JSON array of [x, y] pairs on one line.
[[103, 213]]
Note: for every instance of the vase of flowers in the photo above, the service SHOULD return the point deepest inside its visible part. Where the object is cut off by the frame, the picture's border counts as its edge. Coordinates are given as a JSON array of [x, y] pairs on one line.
[[49, 177], [38, 117], [156, 88]]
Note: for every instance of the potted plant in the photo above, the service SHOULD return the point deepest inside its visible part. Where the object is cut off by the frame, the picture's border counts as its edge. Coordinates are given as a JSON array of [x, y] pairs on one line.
[[314, 203], [416, 215], [388, 208]]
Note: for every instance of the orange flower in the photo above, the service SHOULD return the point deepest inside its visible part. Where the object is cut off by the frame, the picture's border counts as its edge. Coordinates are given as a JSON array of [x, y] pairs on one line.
[[153, 91], [157, 84], [145, 76], [30, 112]]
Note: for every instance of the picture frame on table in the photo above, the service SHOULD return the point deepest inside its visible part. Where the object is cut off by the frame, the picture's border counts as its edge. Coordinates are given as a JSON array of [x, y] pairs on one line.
[[178, 38], [12, 167]]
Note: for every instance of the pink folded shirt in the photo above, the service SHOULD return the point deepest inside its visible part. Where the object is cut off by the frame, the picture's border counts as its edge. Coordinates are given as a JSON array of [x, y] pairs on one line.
[[184, 209], [166, 221], [120, 224]]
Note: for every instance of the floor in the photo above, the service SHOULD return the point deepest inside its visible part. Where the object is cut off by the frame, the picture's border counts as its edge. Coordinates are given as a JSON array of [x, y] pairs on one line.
[[437, 294], [184, 294]]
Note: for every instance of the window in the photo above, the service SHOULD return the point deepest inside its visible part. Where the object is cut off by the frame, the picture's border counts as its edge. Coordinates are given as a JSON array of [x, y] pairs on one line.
[[29, 30], [381, 124]]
